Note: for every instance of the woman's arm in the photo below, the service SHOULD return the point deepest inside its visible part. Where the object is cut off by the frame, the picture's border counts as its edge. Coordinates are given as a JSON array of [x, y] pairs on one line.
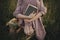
[[42, 7], [20, 16], [34, 18]]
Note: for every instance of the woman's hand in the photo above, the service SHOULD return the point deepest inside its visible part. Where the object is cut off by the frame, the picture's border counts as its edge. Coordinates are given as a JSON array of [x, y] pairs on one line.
[[32, 15], [20, 16], [34, 18]]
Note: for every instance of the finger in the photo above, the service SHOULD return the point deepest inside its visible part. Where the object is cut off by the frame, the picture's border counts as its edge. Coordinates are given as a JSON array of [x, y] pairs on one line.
[[32, 13]]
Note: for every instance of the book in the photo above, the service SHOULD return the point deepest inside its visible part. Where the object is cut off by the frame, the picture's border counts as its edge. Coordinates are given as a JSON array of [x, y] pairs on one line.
[[30, 8]]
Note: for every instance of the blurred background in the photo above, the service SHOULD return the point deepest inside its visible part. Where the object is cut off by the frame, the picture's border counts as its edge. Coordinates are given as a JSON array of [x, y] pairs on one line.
[[51, 20]]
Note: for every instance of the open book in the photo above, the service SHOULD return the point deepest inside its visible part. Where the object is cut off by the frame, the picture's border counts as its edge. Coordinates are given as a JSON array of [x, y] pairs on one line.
[[30, 8]]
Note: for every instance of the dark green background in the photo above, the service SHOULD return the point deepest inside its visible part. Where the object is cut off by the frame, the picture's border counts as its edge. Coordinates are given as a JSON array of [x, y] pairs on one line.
[[51, 20]]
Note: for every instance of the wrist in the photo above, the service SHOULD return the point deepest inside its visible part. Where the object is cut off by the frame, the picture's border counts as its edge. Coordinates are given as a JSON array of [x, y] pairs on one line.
[[41, 14], [31, 20]]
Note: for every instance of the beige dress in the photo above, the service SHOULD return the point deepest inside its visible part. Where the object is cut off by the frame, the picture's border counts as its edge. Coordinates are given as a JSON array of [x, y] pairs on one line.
[[36, 24]]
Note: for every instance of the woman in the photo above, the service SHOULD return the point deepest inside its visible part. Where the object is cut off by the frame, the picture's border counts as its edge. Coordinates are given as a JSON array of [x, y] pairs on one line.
[[35, 22]]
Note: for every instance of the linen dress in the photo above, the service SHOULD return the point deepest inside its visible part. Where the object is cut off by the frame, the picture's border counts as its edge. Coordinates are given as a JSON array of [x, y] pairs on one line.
[[36, 24]]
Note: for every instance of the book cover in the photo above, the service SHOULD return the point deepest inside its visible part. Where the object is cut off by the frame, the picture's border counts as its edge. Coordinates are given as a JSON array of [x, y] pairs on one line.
[[30, 8]]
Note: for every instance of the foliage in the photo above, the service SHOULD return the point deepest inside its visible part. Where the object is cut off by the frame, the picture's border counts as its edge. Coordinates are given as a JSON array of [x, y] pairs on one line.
[[51, 20]]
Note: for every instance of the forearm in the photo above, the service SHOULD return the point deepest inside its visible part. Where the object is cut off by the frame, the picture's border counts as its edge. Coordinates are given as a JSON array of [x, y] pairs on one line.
[[20, 16]]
